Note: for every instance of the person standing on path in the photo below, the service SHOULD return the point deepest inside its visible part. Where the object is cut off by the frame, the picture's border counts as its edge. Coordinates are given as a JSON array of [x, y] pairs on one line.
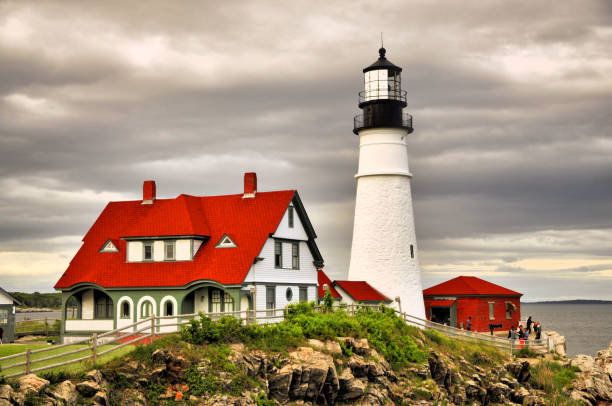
[[469, 323], [529, 323]]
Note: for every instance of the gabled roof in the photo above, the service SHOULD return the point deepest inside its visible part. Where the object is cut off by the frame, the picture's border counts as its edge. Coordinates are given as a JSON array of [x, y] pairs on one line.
[[361, 291], [323, 279], [249, 222], [5, 293], [469, 285]]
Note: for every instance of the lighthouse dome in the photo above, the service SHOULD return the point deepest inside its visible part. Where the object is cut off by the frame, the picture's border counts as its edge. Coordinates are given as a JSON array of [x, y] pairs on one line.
[[382, 63]]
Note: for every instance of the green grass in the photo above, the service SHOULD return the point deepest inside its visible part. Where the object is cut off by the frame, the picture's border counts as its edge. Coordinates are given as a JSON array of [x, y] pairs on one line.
[[552, 378], [11, 349]]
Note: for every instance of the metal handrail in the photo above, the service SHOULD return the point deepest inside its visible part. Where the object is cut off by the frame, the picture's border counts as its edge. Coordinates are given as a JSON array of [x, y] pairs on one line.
[[382, 94], [359, 121]]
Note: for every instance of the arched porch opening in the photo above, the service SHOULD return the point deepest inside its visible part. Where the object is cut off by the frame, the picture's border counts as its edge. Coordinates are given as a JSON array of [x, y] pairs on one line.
[[209, 298], [89, 309]]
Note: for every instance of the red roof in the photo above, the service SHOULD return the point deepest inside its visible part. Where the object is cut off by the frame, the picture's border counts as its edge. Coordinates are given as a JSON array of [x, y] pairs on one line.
[[362, 291], [441, 303], [248, 222], [323, 279], [469, 285]]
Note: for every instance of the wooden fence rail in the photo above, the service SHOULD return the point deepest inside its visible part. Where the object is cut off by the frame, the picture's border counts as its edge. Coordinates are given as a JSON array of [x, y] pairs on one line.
[[153, 325]]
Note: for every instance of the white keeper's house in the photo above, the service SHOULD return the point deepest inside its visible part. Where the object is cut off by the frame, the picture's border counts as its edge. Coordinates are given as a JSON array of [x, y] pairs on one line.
[[190, 254]]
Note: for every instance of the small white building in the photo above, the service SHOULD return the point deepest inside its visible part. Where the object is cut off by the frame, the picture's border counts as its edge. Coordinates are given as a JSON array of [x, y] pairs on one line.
[[190, 254]]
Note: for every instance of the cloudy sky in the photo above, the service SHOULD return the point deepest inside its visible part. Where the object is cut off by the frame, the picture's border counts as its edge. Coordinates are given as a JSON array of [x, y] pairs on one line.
[[512, 106]]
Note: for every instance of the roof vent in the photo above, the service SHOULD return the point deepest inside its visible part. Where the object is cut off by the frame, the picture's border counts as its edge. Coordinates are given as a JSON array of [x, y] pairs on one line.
[[250, 185], [148, 192]]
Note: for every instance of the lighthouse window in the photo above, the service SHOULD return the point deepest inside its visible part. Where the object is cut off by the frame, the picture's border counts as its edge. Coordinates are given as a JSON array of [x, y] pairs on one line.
[[411, 251]]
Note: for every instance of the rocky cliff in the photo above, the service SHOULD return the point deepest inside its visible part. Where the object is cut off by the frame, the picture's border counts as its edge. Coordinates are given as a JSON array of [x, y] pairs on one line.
[[342, 371]]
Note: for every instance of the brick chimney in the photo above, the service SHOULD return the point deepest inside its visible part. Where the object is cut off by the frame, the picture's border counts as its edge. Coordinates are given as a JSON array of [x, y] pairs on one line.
[[250, 185], [148, 192]]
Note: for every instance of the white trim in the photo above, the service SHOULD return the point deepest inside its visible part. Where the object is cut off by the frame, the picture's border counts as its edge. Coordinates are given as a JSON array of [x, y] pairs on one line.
[[226, 242], [138, 306], [119, 302], [163, 302]]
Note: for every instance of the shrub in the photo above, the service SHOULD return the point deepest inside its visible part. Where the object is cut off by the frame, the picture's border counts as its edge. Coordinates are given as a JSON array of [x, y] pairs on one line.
[[525, 352]]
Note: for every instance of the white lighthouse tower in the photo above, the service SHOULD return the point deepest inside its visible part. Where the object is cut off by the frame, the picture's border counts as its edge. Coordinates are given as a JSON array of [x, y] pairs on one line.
[[384, 251]]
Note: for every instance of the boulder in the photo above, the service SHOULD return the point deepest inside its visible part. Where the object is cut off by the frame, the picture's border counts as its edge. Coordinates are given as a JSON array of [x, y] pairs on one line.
[[5, 402], [331, 347], [439, 371], [94, 376], [475, 392], [350, 387], [558, 342], [5, 392], [520, 370], [100, 398], [32, 383], [88, 388], [498, 392], [279, 383], [66, 392]]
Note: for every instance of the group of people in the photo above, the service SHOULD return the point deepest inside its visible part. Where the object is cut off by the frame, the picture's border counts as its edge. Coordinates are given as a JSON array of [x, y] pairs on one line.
[[523, 333]]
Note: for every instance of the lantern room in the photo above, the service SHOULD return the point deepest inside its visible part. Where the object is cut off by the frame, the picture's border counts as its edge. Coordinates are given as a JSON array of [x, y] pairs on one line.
[[382, 99]]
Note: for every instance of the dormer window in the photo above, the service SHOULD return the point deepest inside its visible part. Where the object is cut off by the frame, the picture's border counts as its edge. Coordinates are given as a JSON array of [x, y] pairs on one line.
[[169, 249], [147, 254], [109, 246], [290, 216], [226, 242]]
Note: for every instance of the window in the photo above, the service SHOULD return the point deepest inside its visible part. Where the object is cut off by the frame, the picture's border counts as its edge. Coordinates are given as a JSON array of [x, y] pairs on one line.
[[295, 255], [4, 316], [278, 254], [228, 302], [103, 306], [289, 294], [303, 294], [290, 216], [215, 300], [146, 309], [411, 251], [125, 310], [225, 242], [169, 247], [270, 299], [491, 311], [148, 251]]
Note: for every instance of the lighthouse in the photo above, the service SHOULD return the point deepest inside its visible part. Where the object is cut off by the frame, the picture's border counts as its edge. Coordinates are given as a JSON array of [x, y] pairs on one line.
[[384, 249]]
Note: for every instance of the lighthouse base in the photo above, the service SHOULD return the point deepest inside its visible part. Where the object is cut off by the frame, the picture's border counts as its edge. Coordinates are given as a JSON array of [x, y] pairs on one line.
[[384, 250]]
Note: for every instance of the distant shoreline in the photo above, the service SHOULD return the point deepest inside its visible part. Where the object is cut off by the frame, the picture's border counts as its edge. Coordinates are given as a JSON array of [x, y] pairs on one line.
[[576, 301]]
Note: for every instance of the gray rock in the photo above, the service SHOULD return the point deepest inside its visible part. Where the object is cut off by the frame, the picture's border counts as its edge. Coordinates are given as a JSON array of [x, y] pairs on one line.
[[520, 370], [5, 402], [32, 383], [5, 392], [100, 398], [350, 387], [66, 392], [498, 392], [95, 376], [88, 388], [475, 392], [279, 384], [439, 372]]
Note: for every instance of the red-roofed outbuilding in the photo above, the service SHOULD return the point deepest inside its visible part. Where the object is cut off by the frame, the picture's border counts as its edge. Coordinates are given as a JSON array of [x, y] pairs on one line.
[[359, 292], [323, 280], [453, 301]]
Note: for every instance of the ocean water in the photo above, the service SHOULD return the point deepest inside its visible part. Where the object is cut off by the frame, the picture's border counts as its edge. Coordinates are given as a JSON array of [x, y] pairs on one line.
[[587, 327], [51, 316]]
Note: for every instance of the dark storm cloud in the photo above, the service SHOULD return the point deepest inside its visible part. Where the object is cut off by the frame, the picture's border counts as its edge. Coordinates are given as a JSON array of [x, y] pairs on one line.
[[511, 105]]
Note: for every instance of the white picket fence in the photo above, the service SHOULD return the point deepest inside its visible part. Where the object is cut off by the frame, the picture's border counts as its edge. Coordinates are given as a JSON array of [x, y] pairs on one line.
[[147, 329]]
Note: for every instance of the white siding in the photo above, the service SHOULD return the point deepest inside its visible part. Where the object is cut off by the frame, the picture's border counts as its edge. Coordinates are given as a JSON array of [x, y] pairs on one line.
[[264, 271], [134, 251], [89, 325], [5, 299], [183, 250], [345, 296], [295, 233], [87, 303], [312, 293], [158, 251]]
